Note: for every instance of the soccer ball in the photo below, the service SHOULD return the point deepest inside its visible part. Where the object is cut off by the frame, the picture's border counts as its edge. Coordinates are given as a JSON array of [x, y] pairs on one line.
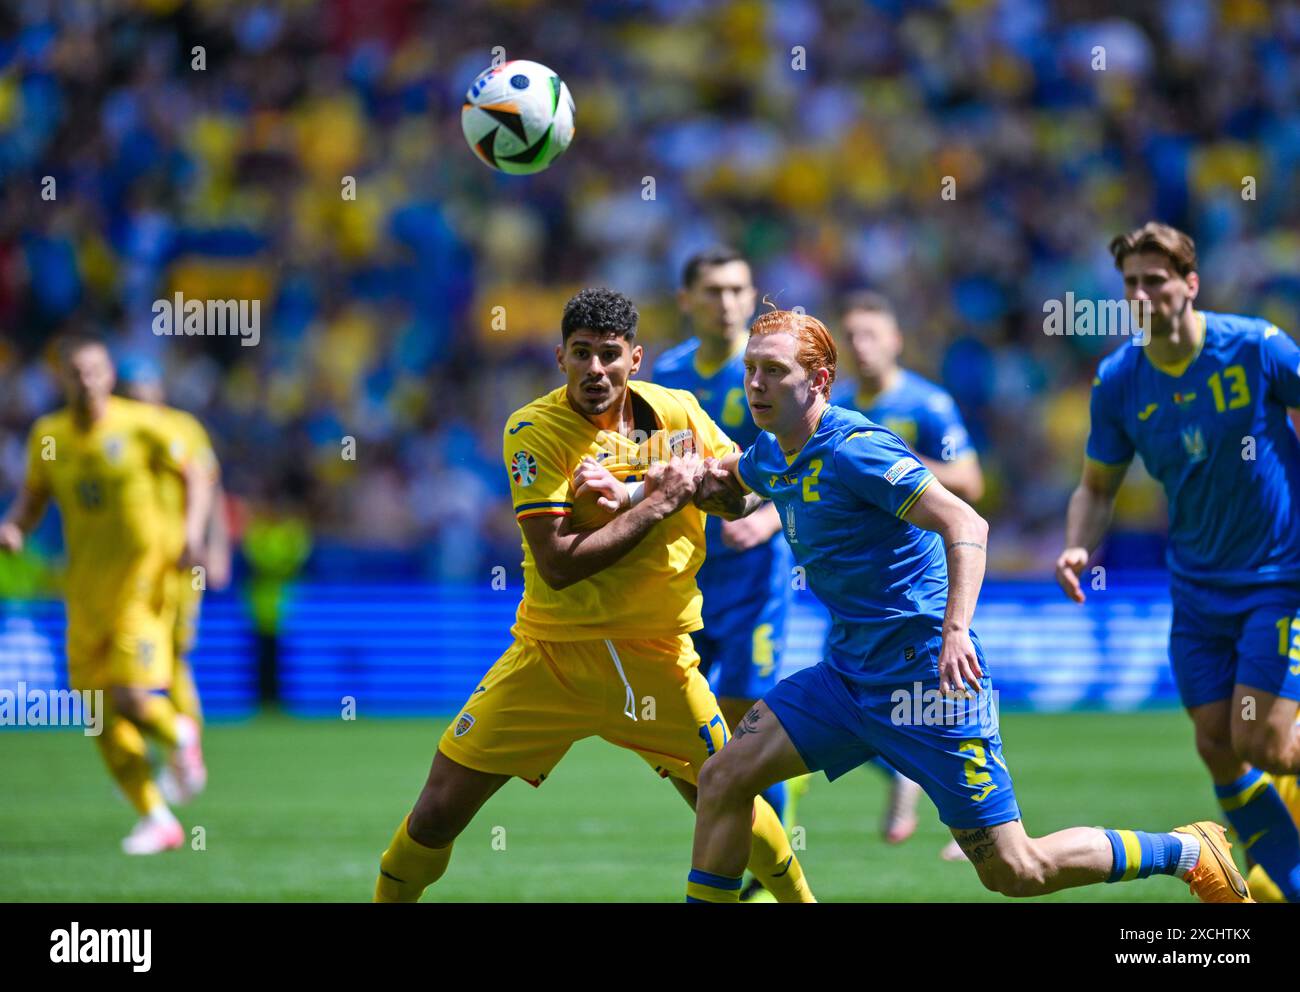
[[518, 117]]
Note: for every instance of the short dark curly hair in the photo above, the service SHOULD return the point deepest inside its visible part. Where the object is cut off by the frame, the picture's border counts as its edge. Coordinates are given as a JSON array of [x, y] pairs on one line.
[[601, 310]]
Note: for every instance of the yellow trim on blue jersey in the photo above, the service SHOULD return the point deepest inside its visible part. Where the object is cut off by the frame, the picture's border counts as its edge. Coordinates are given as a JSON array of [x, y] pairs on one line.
[[791, 459], [1229, 803], [708, 372], [916, 494], [1176, 371], [1097, 461]]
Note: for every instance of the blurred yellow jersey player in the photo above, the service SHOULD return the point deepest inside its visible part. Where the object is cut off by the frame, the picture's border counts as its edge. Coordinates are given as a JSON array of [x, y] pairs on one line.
[[103, 460], [140, 378], [602, 642]]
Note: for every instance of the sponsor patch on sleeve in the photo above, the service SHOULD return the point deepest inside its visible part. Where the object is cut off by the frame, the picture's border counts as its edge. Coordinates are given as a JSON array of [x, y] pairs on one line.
[[523, 468], [899, 469]]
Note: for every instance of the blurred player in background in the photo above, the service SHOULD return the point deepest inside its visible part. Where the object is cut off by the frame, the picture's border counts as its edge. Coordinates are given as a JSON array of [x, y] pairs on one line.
[[140, 379], [927, 419], [602, 642], [746, 578], [1204, 402], [104, 460], [898, 560]]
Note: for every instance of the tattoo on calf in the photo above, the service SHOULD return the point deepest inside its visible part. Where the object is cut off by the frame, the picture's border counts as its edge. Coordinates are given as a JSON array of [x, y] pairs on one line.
[[978, 843], [749, 725]]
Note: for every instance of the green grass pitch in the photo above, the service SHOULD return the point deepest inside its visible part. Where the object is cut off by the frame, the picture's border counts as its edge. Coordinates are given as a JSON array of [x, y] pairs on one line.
[[300, 810]]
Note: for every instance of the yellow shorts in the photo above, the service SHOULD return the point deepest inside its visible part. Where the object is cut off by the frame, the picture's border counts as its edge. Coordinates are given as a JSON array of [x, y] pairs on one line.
[[541, 696], [134, 650], [188, 602]]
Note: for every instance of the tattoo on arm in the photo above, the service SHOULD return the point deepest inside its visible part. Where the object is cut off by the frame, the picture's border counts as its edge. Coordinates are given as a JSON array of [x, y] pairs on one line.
[[748, 725], [978, 843], [966, 544]]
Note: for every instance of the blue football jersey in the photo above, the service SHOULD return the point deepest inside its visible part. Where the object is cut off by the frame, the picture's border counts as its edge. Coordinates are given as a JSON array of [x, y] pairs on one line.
[[722, 396], [1219, 440], [842, 500], [919, 412]]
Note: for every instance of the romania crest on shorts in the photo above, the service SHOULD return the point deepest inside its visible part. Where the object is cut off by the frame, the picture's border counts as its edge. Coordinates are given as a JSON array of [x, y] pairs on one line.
[[463, 724], [523, 468]]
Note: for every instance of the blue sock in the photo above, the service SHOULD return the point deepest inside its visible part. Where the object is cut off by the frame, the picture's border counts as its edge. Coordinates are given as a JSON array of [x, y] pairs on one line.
[[1139, 854], [1264, 828], [775, 796]]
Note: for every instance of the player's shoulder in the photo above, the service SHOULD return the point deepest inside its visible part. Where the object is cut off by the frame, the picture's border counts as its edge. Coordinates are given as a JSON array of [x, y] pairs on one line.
[[677, 360], [541, 417], [845, 429], [666, 400], [54, 423], [1118, 365], [930, 395], [1237, 329]]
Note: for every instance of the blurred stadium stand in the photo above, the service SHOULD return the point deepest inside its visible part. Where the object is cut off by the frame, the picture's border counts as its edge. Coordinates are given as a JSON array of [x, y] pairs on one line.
[[226, 181]]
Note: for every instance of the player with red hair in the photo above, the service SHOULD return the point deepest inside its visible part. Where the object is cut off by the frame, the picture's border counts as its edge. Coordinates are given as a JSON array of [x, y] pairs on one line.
[[898, 560]]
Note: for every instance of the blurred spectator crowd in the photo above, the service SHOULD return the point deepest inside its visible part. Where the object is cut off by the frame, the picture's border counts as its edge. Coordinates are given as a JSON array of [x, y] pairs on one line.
[[206, 147]]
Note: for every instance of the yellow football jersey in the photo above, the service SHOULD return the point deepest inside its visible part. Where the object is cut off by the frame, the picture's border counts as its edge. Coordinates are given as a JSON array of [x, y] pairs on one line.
[[194, 444], [106, 482], [651, 591]]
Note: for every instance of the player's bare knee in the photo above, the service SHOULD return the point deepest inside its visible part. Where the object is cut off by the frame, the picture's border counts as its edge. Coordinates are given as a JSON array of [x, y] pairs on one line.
[[127, 701], [435, 820], [724, 780], [1216, 749], [1018, 876], [1268, 753]]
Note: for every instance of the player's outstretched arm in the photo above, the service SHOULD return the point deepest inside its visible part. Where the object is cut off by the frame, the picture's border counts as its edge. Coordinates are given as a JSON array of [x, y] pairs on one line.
[[22, 518], [1086, 522], [962, 476], [965, 536], [723, 493], [565, 556], [198, 506]]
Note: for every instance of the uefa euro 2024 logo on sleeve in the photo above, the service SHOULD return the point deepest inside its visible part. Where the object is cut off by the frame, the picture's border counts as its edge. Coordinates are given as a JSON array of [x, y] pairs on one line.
[[523, 468]]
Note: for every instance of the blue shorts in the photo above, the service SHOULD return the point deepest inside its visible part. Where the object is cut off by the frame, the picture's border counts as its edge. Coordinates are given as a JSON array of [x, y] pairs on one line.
[[741, 654], [746, 598], [1221, 637], [952, 749]]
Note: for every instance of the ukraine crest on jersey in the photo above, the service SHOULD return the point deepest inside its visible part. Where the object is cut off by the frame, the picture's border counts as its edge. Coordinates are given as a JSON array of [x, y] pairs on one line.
[[843, 499], [1218, 438]]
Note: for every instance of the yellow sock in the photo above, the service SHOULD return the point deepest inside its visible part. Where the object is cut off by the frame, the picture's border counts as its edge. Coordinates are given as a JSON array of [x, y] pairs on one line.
[[158, 720], [771, 859], [408, 868], [127, 757], [184, 693]]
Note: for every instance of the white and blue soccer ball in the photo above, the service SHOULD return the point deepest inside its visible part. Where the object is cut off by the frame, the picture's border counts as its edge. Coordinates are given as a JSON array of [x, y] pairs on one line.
[[518, 117]]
